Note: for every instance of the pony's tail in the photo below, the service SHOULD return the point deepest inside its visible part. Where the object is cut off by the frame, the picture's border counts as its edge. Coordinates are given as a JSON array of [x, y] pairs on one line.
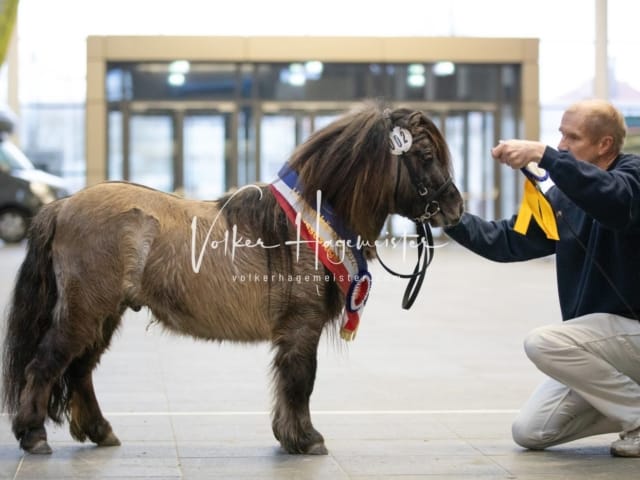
[[31, 311]]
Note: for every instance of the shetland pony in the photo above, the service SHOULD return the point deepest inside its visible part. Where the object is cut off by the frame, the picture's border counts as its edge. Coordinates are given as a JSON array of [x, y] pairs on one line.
[[118, 245]]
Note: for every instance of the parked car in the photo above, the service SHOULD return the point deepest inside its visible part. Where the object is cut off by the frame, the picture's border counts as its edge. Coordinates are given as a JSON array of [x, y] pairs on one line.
[[23, 188]]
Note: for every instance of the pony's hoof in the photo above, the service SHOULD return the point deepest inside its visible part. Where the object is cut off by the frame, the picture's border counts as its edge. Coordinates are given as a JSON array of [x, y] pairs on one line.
[[41, 447], [109, 441], [317, 449]]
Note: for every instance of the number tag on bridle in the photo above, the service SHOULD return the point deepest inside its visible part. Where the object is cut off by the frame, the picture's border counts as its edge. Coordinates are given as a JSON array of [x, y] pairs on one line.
[[400, 140]]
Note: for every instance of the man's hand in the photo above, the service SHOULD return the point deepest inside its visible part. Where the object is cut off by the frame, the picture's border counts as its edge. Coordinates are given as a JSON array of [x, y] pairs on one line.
[[518, 153]]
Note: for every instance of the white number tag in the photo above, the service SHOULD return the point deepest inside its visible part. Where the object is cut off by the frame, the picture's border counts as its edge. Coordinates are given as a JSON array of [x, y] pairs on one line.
[[400, 140]]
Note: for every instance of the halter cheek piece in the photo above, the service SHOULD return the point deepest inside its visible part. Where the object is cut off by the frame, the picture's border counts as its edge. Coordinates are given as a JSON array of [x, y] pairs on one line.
[[432, 206]]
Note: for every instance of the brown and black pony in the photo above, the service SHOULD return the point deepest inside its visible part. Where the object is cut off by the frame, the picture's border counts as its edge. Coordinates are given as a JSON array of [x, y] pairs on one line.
[[116, 245]]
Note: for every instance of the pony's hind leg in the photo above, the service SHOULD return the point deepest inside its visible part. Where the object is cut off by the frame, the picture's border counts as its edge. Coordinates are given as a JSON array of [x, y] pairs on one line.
[[294, 368], [85, 416], [60, 373], [43, 392]]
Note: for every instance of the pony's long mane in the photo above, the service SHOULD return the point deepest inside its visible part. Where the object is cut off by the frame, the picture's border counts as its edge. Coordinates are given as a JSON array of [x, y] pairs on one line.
[[350, 162]]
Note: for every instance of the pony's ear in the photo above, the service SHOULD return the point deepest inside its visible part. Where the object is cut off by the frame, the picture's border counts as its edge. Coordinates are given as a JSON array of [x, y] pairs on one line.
[[416, 119]]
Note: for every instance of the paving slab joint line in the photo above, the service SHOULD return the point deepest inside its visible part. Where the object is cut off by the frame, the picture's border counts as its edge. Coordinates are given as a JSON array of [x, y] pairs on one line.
[[231, 413]]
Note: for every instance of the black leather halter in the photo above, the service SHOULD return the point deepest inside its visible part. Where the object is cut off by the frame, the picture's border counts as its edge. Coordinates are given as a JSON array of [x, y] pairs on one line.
[[432, 206], [425, 236]]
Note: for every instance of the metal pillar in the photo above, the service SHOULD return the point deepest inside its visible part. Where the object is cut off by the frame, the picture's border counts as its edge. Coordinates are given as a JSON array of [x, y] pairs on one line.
[[601, 74]]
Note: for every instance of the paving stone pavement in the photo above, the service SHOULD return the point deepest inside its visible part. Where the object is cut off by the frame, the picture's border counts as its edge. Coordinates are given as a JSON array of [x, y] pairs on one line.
[[425, 393]]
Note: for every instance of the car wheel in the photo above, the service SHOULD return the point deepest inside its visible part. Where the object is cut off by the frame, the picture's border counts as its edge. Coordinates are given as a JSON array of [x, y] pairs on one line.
[[14, 224]]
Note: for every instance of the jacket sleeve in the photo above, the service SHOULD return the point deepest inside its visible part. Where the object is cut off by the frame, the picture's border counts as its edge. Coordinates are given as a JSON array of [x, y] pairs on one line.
[[610, 197], [497, 241]]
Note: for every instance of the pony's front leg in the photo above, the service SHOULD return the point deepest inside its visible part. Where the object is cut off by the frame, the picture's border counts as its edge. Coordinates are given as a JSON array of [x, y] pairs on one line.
[[294, 368]]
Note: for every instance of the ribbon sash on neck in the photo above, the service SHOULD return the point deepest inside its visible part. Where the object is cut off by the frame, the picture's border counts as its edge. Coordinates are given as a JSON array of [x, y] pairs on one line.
[[339, 250]]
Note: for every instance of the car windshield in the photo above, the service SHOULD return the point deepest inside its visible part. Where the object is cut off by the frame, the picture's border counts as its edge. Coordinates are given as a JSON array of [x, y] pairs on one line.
[[11, 158]]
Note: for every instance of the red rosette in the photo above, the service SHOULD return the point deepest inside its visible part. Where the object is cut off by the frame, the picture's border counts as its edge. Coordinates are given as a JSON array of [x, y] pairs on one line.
[[358, 291]]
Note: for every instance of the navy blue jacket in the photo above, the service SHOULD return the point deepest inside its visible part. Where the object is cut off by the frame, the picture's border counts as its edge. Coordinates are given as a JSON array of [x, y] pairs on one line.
[[599, 224]]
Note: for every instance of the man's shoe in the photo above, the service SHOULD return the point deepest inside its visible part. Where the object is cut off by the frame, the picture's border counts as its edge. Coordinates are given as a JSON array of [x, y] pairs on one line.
[[628, 445]]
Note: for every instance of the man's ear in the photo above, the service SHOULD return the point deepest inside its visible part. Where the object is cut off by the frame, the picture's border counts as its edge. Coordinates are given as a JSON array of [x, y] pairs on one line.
[[605, 144]]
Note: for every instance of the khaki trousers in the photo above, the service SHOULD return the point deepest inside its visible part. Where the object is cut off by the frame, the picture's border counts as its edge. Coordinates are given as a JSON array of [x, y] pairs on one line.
[[593, 364]]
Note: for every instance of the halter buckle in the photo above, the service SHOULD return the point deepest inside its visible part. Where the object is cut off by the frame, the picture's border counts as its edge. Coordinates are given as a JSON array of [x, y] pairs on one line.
[[426, 216]]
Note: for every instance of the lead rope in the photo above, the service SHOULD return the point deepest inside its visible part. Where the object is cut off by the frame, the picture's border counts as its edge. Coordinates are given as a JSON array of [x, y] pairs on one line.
[[424, 259], [425, 256]]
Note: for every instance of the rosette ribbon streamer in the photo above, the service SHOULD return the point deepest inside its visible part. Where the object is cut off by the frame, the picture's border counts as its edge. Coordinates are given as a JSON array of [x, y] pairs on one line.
[[338, 249]]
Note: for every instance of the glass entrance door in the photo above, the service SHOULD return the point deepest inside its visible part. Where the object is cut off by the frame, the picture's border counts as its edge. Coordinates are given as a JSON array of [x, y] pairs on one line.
[[205, 163], [151, 152], [188, 151], [471, 129], [470, 136], [279, 135]]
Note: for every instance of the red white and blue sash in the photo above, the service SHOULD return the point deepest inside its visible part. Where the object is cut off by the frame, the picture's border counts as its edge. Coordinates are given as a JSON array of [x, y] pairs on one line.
[[339, 250]]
